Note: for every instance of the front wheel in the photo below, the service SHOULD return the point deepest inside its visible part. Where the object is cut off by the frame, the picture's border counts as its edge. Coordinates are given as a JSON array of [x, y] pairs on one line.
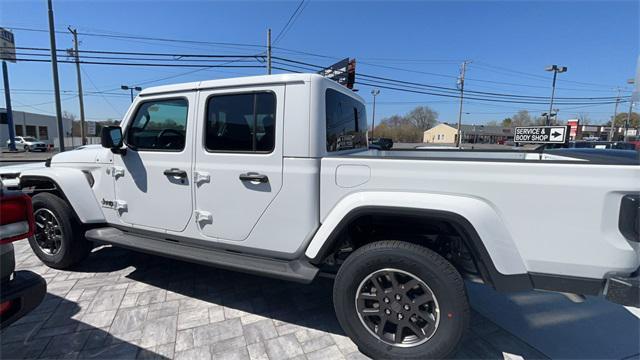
[[59, 238], [402, 301]]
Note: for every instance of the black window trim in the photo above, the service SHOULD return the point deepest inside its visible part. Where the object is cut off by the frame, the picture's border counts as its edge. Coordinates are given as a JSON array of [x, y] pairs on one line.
[[135, 113], [253, 92]]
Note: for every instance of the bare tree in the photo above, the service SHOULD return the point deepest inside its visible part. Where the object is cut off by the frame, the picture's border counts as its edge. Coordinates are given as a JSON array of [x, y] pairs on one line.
[[423, 117], [68, 115], [584, 118], [522, 118]]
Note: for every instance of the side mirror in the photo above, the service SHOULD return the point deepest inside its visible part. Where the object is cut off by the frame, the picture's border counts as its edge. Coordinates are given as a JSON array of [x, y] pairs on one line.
[[111, 138]]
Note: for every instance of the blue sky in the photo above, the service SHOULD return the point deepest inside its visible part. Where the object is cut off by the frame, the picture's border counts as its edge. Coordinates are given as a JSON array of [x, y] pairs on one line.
[[509, 43]]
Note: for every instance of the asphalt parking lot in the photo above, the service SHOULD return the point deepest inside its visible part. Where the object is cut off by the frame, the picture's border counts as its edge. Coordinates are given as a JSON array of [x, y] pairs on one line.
[[122, 304]]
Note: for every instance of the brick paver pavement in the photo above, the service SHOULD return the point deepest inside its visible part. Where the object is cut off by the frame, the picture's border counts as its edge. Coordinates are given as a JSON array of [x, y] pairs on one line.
[[123, 304]]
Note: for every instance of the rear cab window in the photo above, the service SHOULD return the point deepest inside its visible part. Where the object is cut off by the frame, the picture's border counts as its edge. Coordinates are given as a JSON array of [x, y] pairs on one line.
[[241, 122], [346, 122]]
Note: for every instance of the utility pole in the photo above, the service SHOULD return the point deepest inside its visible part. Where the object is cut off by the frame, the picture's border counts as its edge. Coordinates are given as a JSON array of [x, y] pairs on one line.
[[7, 99], [626, 124], [76, 55], [463, 70], [374, 92], [613, 121], [269, 51], [54, 68]]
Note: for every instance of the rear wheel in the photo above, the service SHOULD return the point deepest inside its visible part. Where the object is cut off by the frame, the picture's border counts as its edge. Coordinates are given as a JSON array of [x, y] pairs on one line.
[[402, 301], [59, 238]]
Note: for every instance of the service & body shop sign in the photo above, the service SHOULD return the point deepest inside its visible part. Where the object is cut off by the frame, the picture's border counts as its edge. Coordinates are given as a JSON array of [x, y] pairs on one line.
[[541, 134]]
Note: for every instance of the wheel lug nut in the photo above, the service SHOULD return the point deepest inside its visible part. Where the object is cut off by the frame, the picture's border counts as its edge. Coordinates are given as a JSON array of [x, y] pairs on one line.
[[386, 300], [398, 297], [400, 316], [407, 308], [387, 311]]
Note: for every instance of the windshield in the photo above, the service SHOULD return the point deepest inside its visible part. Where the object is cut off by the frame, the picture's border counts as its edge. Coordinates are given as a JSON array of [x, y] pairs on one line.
[[29, 138]]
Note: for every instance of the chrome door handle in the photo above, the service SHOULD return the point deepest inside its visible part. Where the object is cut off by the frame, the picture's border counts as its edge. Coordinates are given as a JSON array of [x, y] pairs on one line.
[[175, 172], [254, 177]]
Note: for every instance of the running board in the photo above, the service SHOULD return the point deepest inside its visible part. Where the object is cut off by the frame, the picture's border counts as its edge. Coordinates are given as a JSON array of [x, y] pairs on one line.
[[296, 270]]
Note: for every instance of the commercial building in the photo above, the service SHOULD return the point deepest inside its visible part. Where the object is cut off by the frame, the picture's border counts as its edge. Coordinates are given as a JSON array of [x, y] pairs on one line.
[[440, 134], [483, 134], [447, 134], [39, 126], [598, 132]]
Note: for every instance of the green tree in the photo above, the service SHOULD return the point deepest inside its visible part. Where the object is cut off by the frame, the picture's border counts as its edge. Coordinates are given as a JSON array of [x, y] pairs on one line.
[[507, 122], [621, 118]]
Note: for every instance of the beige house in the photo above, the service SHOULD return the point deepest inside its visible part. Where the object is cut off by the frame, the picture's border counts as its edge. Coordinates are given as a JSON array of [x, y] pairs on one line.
[[440, 134]]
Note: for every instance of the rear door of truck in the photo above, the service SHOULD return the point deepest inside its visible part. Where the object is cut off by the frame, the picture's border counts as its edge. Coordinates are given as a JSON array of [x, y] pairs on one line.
[[238, 158]]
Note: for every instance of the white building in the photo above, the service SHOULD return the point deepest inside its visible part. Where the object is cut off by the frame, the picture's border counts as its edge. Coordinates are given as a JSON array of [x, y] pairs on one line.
[[42, 127]]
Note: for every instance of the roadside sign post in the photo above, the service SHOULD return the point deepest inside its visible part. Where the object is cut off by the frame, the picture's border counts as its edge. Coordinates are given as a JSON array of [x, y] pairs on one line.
[[541, 134], [91, 128], [8, 53]]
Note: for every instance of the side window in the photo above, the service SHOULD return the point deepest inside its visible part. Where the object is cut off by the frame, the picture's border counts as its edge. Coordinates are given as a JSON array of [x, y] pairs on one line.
[[241, 122], [159, 125], [346, 122]]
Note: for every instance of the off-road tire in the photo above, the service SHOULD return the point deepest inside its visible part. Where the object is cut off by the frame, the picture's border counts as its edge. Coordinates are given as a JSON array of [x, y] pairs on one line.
[[73, 246], [437, 273]]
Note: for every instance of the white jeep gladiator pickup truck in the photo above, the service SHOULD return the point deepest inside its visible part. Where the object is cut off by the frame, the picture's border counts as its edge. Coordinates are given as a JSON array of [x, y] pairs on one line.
[[272, 175]]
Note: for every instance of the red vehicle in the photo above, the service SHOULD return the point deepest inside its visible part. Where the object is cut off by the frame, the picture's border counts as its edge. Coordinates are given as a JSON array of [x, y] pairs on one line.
[[20, 291], [636, 142]]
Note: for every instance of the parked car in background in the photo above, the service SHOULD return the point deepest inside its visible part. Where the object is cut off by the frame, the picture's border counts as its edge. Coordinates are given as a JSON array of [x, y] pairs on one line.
[[593, 144], [29, 143], [383, 143], [636, 142], [20, 291], [619, 145]]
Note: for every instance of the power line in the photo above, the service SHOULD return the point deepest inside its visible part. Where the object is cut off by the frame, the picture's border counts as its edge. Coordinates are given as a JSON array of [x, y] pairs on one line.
[[146, 38], [144, 64], [245, 45], [313, 67], [289, 23], [103, 96]]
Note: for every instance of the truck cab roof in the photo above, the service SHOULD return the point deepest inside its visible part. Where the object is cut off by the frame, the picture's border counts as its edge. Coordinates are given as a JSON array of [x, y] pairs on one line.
[[247, 81]]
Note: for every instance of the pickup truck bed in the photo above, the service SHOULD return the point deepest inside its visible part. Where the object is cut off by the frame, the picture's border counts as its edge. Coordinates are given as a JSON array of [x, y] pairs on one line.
[[493, 189]]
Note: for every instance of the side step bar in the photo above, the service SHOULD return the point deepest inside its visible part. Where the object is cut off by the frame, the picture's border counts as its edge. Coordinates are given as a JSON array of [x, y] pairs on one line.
[[296, 270]]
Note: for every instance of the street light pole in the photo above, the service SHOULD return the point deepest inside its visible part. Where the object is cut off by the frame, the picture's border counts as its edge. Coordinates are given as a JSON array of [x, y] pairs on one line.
[[556, 69], [374, 92], [131, 88]]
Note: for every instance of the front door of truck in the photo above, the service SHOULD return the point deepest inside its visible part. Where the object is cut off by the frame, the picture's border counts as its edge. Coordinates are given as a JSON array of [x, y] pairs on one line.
[[238, 159], [153, 179]]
